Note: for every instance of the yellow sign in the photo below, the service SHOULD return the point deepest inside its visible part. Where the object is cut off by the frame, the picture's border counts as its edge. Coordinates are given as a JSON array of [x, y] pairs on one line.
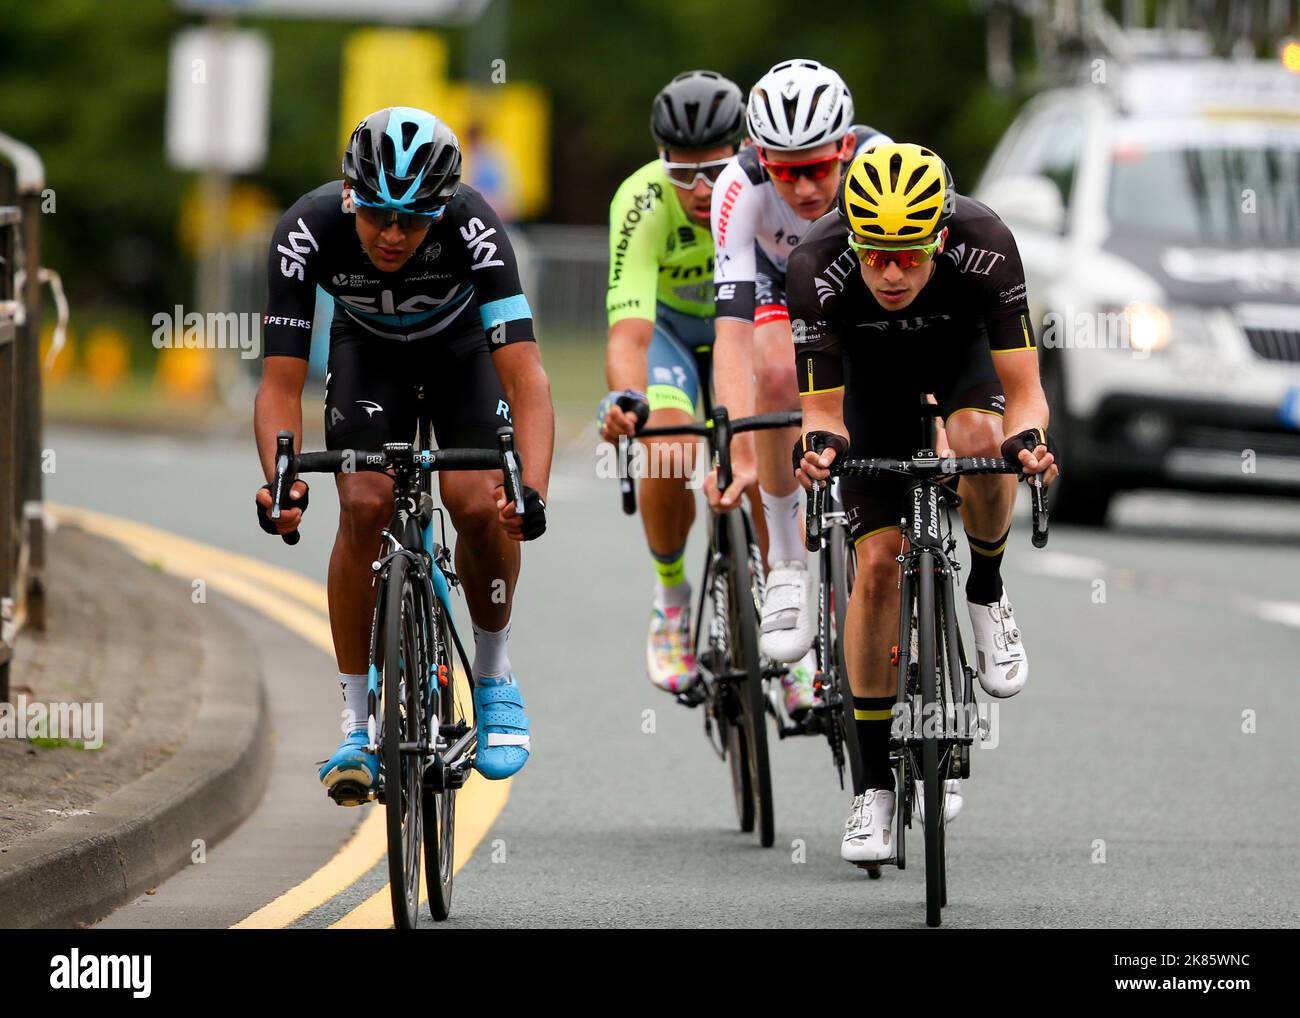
[[506, 126]]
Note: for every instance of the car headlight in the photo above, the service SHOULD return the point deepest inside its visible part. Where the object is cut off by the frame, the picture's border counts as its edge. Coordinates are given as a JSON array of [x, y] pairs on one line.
[[1147, 326]]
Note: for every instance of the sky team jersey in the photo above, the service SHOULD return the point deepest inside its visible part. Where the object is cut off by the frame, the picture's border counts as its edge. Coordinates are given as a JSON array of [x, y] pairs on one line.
[[975, 294], [463, 272], [746, 212], [655, 252]]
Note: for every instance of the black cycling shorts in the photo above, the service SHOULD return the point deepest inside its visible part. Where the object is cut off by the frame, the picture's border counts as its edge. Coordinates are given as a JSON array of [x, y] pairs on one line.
[[880, 410], [370, 393]]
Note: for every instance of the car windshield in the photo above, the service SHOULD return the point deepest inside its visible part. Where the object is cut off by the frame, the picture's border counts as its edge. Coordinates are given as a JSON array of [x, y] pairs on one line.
[[1210, 193]]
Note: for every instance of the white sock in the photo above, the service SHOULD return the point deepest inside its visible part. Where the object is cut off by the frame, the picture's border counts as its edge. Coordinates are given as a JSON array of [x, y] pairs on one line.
[[355, 688], [490, 658], [784, 536], [676, 596]]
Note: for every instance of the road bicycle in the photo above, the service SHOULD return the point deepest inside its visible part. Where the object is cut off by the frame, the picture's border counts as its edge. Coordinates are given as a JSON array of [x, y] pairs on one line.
[[725, 641], [936, 717], [420, 706]]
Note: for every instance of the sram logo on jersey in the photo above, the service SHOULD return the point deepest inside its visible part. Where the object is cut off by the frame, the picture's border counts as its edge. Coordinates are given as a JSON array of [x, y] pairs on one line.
[[724, 212], [301, 243], [476, 235]]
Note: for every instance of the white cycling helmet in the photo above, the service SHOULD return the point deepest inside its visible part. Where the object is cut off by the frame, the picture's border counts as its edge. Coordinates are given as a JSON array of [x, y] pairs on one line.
[[799, 104]]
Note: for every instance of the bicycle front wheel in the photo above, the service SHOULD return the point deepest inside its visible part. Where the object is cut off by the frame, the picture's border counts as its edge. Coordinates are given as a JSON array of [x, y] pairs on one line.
[[402, 671], [932, 727], [743, 617], [840, 550], [440, 804]]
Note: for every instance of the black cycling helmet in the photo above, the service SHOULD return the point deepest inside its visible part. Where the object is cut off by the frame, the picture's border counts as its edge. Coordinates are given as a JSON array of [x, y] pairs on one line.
[[698, 109], [404, 159]]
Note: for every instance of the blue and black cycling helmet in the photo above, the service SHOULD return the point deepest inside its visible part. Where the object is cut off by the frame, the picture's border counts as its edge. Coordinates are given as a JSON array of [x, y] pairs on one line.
[[403, 159]]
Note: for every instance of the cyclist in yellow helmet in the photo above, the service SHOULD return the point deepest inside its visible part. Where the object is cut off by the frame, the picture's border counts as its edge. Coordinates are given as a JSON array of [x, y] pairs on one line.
[[909, 287]]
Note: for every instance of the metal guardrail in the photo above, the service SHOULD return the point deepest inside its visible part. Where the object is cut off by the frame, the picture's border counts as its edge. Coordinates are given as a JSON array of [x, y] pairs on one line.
[[22, 530]]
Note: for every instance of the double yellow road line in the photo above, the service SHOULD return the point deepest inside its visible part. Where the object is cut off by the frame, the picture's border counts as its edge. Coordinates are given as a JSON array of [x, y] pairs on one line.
[[300, 605]]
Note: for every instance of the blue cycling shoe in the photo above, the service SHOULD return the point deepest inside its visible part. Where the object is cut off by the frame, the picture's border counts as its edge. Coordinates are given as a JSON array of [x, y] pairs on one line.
[[502, 728], [350, 773]]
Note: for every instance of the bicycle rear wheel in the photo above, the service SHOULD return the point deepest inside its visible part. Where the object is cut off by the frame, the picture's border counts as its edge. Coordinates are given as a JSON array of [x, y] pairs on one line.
[[402, 714], [931, 729], [440, 804], [743, 617]]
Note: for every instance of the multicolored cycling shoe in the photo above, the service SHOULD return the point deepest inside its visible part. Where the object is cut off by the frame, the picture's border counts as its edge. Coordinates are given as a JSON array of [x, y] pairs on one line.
[[798, 685], [503, 739], [350, 773], [668, 660]]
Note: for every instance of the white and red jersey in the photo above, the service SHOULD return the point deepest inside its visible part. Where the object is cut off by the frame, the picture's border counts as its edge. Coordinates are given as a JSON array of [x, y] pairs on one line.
[[754, 231]]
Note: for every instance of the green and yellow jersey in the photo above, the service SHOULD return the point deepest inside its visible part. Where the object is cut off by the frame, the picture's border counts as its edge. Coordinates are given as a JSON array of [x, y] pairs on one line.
[[656, 254]]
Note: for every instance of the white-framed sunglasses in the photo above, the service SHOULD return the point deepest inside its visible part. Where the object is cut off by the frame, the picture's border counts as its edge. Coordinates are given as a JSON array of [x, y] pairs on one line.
[[684, 175]]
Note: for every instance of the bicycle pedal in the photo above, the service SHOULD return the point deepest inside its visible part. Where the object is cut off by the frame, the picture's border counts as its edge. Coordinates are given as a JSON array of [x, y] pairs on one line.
[[349, 793], [692, 697]]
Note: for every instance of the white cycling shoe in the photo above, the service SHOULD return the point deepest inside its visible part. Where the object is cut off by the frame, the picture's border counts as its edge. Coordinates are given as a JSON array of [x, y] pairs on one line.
[[787, 630], [1000, 658], [952, 800], [869, 830]]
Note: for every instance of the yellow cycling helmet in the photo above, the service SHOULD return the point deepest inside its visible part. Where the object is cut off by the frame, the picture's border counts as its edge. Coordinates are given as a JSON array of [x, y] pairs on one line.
[[896, 193]]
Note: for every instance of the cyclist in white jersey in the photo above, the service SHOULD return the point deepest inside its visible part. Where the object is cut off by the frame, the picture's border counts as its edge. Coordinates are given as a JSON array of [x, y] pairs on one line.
[[799, 117]]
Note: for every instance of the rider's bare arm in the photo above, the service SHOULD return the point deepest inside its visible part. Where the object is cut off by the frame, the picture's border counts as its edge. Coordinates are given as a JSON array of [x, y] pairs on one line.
[[528, 391]]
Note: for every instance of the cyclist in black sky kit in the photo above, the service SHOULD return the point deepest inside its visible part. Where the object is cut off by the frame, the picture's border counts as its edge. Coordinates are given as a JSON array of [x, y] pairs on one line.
[[426, 290], [910, 288]]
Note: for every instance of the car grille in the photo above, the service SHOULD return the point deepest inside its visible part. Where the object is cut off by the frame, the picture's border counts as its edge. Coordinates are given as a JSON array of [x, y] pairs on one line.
[[1275, 344]]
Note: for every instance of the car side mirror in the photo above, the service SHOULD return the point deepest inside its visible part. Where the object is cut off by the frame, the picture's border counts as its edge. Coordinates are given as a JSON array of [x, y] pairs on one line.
[[1032, 201]]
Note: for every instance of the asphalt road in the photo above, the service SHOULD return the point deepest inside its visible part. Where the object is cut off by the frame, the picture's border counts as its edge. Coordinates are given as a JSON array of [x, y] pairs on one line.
[[1122, 792]]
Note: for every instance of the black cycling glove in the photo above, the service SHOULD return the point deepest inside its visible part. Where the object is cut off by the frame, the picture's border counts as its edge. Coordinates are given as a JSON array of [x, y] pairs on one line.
[[1030, 439], [819, 441], [534, 514], [264, 515]]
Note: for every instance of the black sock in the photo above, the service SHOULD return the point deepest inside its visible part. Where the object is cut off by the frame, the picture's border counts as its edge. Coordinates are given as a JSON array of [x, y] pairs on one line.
[[873, 741], [984, 585]]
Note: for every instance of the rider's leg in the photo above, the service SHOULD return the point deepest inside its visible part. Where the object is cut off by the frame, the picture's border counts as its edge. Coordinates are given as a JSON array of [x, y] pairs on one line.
[[986, 501], [667, 502], [788, 619], [777, 390], [870, 629], [975, 429]]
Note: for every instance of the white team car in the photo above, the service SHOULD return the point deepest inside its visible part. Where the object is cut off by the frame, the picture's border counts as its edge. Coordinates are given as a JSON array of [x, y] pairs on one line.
[[1158, 217]]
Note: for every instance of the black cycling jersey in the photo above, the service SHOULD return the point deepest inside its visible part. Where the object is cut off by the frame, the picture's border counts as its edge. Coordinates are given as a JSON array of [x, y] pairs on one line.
[[463, 275], [971, 309], [975, 294]]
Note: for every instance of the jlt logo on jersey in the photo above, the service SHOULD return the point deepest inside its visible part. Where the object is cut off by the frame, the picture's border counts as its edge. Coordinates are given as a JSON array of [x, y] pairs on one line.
[[482, 250], [976, 259], [906, 324], [831, 280], [385, 304], [301, 243]]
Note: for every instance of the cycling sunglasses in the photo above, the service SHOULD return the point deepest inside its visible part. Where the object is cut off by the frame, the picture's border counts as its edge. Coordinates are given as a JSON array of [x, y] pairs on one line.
[[407, 222], [684, 175], [905, 257], [813, 169]]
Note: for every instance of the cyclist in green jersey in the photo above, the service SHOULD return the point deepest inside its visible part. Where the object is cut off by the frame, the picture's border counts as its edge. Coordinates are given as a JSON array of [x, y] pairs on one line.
[[660, 306]]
